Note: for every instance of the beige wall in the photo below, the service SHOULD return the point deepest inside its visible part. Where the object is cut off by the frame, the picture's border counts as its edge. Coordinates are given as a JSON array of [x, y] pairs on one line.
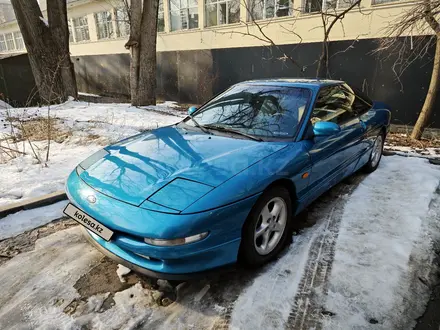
[[368, 24]]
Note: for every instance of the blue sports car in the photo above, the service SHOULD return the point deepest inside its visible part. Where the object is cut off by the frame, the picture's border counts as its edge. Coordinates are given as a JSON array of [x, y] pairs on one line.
[[225, 184]]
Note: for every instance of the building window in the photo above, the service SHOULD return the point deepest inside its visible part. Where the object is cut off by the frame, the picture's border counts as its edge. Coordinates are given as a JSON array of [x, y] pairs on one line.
[[19, 44], [69, 24], [184, 14], [3, 47], [10, 41], [104, 24], [314, 6], [220, 12], [81, 29], [122, 22], [376, 2], [262, 9], [160, 18]]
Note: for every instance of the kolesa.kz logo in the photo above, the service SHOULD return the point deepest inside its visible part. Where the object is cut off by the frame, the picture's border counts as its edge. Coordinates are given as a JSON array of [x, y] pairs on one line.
[[88, 222]]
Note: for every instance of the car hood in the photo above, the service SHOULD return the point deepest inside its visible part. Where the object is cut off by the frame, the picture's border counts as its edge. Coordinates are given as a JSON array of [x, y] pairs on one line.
[[134, 169]]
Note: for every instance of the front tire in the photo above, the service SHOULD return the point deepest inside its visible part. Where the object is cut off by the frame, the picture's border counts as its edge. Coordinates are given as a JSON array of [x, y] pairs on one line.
[[267, 228], [376, 154]]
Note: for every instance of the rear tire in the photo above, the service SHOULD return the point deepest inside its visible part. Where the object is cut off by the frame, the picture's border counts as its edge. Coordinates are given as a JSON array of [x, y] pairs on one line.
[[267, 228], [376, 154]]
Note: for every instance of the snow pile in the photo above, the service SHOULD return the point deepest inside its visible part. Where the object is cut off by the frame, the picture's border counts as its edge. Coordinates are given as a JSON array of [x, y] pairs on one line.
[[122, 271], [414, 152], [4, 114], [23, 177], [384, 242], [38, 284], [22, 221], [89, 127], [4, 105]]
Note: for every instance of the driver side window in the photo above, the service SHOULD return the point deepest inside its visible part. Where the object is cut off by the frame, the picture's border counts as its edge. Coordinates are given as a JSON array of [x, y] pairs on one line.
[[334, 104]]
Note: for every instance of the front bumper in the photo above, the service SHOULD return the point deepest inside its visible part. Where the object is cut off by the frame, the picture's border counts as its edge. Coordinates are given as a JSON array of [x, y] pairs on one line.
[[91, 238], [131, 224]]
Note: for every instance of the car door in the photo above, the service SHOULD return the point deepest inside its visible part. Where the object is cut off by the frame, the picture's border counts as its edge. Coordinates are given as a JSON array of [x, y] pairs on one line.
[[334, 157]]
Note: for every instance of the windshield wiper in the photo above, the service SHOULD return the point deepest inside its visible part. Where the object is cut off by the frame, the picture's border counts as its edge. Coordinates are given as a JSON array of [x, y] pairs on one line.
[[225, 129], [204, 130]]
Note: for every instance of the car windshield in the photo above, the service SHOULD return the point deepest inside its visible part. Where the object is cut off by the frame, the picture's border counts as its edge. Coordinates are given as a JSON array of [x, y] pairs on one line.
[[262, 111]]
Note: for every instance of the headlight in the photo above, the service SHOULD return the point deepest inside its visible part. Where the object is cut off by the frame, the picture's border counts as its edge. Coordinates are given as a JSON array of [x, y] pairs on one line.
[[177, 241], [85, 164]]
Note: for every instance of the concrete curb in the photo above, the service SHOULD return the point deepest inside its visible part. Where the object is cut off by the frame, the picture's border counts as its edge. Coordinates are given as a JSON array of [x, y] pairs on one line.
[[32, 203]]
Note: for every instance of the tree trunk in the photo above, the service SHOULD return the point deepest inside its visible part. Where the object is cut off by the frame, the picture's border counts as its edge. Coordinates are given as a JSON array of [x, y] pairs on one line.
[[57, 17], [322, 69], [134, 44], [434, 86], [50, 60], [146, 89]]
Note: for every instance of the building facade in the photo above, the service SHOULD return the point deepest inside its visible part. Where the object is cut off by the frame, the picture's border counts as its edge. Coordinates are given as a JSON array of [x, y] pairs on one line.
[[204, 46]]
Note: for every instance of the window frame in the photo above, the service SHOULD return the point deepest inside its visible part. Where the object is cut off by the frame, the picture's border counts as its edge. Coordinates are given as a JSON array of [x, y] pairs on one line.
[[10, 40], [20, 39], [81, 28], [104, 24], [218, 3], [324, 6], [122, 24], [160, 12], [185, 9], [251, 17], [70, 30], [3, 48]]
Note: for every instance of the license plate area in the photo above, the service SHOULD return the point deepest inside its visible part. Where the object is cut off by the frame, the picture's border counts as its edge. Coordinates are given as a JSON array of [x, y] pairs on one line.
[[87, 221]]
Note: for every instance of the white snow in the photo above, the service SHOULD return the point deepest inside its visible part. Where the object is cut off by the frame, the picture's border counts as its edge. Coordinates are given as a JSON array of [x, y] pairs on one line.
[[37, 285], [89, 127], [199, 296], [4, 105], [267, 302], [122, 271], [383, 232], [44, 21], [414, 152], [384, 243], [22, 221], [88, 94]]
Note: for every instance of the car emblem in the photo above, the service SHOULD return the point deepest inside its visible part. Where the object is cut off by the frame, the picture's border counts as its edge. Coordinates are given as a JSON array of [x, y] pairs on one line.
[[91, 199]]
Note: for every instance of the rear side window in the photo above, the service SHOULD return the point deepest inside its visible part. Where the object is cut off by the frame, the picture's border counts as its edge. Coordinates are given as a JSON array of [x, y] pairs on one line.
[[362, 103], [334, 104]]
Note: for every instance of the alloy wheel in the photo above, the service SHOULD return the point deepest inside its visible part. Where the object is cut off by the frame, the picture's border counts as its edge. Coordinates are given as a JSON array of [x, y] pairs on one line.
[[270, 226]]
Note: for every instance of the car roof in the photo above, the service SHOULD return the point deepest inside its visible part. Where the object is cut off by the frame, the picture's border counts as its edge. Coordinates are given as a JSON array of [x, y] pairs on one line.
[[294, 82]]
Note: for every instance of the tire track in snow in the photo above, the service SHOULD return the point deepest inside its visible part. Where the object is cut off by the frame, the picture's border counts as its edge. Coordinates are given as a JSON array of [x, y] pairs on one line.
[[282, 295], [307, 306]]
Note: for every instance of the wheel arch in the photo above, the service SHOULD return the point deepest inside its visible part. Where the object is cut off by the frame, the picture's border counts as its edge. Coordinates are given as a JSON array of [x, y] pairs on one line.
[[290, 186]]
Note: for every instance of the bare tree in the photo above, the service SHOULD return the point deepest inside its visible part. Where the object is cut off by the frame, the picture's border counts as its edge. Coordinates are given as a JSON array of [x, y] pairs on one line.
[[330, 15], [47, 44], [423, 19], [142, 44], [329, 18]]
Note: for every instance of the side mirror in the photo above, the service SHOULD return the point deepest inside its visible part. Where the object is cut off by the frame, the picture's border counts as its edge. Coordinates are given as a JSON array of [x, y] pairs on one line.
[[325, 128], [191, 110]]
